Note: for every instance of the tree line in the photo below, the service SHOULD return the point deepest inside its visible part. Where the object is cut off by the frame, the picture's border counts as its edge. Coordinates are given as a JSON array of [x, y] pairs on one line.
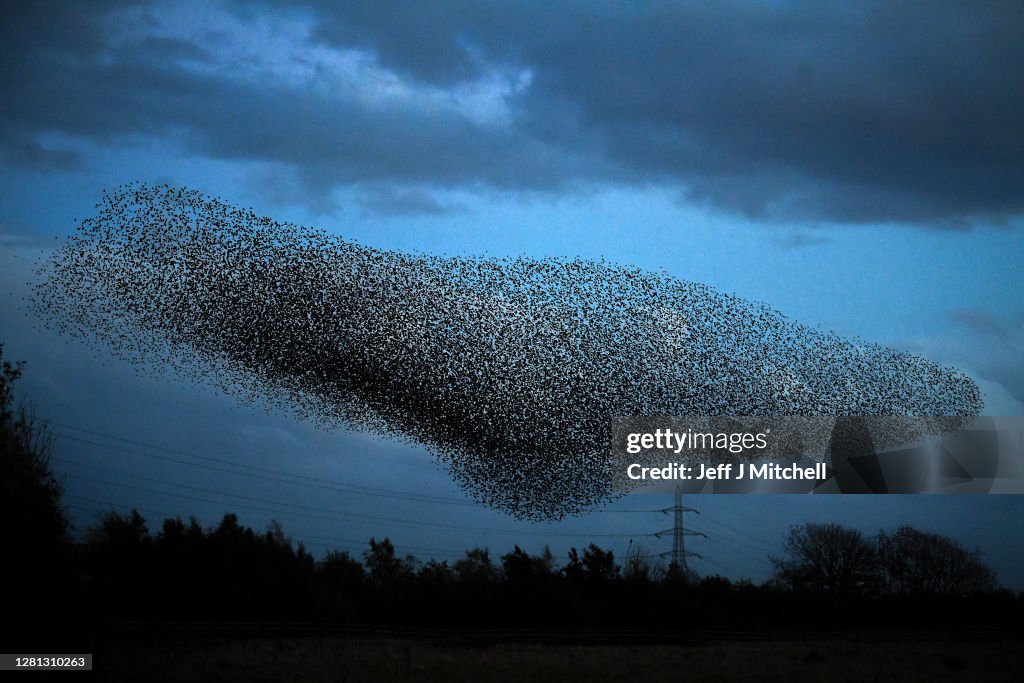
[[183, 570], [826, 574]]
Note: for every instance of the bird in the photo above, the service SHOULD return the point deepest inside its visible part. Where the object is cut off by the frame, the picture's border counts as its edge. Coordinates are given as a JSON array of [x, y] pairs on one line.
[[507, 369]]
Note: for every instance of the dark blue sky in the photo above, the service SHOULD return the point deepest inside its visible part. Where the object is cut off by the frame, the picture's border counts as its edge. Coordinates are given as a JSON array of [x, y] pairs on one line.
[[858, 167]]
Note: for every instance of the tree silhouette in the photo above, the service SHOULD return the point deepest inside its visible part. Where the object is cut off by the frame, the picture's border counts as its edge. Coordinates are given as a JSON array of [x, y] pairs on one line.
[[522, 569], [435, 574], [573, 569], [34, 545], [476, 568], [599, 564], [595, 566], [123, 531], [828, 558], [230, 572], [341, 570], [921, 563], [679, 575], [120, 561], [638, 567], [339, 579], [384, 566]]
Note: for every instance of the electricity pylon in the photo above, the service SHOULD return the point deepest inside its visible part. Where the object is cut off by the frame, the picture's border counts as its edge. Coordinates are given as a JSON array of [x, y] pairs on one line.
[[679, 533]]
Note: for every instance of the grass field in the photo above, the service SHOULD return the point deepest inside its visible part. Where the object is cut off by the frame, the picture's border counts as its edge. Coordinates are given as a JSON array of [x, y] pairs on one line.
[[347, 659]]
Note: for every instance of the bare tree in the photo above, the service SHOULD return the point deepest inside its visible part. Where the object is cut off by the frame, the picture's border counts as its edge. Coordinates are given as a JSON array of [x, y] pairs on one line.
[[829, 558], [638, 564], [921, 563]]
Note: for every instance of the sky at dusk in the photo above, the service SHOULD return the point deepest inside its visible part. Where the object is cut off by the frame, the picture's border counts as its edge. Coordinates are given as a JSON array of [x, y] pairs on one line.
[[858, 167]]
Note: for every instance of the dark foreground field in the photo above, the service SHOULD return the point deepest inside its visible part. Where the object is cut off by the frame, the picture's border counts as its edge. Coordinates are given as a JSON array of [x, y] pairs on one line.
[[346, 658]]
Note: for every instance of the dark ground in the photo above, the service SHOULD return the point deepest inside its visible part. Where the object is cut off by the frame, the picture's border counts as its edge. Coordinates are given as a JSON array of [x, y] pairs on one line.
[[890, 656]]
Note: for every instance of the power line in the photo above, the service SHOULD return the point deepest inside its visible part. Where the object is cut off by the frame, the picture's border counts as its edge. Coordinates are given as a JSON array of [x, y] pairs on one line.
[[745, 544], [271, 474], [343, 488], [678, 553], [266, 472], [723, 564], [159, 513], [348, 544], [325, 541], [744, 553], [311, 509]]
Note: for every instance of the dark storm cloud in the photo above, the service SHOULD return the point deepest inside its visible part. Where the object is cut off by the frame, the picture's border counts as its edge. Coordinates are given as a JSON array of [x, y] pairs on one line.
[[96, 93], [853, 113], [26, 152], [872, 111], [35, 38]]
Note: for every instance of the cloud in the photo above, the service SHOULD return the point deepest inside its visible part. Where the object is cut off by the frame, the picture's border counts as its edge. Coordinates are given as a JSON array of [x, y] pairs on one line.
[[388, 200], [13, 237], [997, 349], [800, 240], [854, 113], [982, 322], [27, 152], [337, 124]]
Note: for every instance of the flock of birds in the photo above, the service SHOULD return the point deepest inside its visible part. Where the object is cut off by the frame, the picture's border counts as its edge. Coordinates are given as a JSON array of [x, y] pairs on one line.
[[509, 370]]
